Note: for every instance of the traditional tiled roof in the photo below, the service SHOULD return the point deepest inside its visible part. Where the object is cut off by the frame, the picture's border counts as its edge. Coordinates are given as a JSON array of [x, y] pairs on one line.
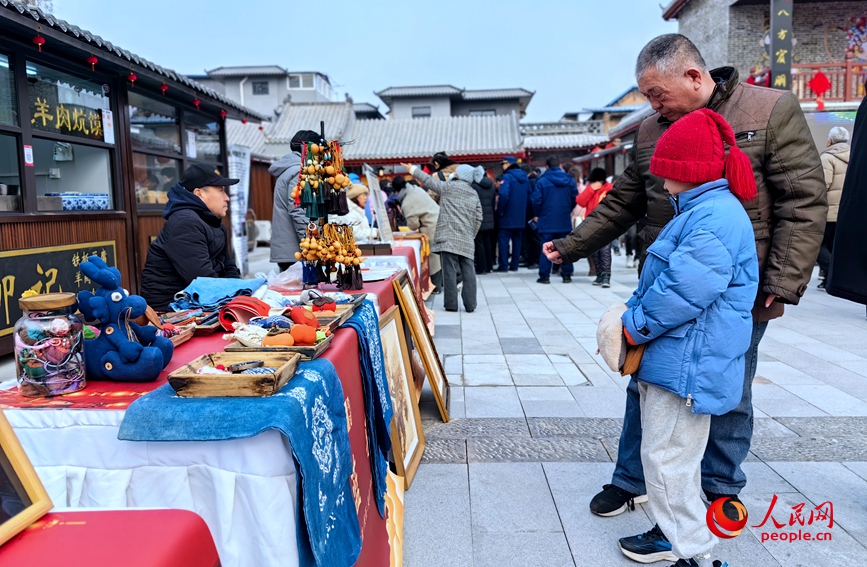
[[673, 9], [626, 109], [564, 141], [100, 47], [422, 137], [633, 119], [248, 70], [495, 94], [448, 90], [364, 107], [251, 136], [338, 117], [435, 90]]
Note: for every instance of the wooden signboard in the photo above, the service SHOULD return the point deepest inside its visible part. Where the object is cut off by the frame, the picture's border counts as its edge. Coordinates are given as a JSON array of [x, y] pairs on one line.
[[45, 270]]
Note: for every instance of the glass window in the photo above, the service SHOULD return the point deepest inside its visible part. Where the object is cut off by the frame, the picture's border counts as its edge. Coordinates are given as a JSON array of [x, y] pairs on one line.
[[260, 87], [10, 179], [294, 81], [154, 176], [202, 137], [71, 177], [307, 81], [8, 100], [421, 112], [483, 113], [64, 104], [153, 124]]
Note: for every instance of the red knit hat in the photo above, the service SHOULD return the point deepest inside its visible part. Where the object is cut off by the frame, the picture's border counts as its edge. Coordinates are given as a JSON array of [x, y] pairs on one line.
[[692, 151]]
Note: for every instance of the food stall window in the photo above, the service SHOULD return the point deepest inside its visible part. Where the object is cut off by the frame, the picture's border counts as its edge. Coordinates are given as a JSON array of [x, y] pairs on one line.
[[10, 178], [202, 138], [153, 125], [72, 177], [154, 176], [8, 100]]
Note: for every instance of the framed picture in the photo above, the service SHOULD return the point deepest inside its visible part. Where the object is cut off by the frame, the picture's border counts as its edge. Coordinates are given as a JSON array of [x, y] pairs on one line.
[[423, 342], [407, 437], [23, 499]]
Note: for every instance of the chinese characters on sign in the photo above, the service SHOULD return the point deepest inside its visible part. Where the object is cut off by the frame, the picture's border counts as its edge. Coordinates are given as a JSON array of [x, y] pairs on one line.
[[781, 44], [820, 514], [45, 270], [69, 119]]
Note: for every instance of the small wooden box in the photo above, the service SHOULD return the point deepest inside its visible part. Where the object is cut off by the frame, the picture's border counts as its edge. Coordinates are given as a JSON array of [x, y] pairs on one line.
[[378, 249], [188, 384], [306, 352]]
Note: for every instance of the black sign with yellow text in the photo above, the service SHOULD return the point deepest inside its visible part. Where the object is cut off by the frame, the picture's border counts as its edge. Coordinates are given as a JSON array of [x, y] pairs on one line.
[[45, 270], [48, 114]]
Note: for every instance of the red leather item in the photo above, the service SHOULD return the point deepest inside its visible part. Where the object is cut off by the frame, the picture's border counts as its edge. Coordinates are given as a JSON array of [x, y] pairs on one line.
[[241, 310], [132, 538]]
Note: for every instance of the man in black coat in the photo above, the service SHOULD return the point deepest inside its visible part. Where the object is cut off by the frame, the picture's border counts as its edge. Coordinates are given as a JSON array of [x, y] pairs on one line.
[[193, 242], [848, 274]]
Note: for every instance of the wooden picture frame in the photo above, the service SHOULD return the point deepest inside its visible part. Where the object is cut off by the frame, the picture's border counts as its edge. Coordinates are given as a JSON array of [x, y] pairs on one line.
[[407, 437], [23, 499], [423, 342]]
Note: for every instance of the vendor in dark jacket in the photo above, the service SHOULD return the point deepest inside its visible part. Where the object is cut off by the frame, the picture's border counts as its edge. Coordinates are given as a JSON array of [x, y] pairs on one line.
[[552, 199], [486, 238], [193, 242]]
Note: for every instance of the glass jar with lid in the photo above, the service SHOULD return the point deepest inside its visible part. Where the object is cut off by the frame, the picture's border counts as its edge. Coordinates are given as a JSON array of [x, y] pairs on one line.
[[49, 346]]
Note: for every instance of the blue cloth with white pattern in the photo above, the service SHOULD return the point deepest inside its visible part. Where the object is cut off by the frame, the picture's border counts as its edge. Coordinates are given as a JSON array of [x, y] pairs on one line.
[[309, 411], [377, 399]]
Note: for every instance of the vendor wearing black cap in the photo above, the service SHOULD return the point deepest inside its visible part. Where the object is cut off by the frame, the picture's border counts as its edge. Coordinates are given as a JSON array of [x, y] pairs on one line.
[[193, 242]]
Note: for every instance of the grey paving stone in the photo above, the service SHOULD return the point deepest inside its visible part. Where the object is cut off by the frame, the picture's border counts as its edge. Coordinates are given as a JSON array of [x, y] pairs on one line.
[[445, 451], [454, 364], [782, 374], [826, 426], [484, 358], [492, 401], [531, 379], [511, 498], [481, 450], [483, 427], [448, 331], [548, 401], [776, 401], [527, 345], [767, 427], [570, 374], [539, 549], [594, 428], [600, 401], [598, 377], [858, 467], [437, 522], [486, 345], [488, 374], [813, 449], [762, 479], [448, 346], [830, 399]]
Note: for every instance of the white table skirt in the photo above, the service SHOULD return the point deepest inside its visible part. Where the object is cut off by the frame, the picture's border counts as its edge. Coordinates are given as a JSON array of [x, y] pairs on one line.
[[245, 489], [415, 244]]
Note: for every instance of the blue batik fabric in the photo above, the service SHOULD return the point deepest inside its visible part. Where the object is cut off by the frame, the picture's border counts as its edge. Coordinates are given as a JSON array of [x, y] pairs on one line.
[[309, 410], [377, 399], [212, 293]]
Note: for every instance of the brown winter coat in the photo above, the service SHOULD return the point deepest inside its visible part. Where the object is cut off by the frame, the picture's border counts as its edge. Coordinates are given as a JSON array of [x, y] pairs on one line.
[[788, 216], [835, 161]]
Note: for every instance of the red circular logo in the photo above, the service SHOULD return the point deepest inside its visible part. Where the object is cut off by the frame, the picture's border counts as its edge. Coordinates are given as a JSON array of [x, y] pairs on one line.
[[717, 521]]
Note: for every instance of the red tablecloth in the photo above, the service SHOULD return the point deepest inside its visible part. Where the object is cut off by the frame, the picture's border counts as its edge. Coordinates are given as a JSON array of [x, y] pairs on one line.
[[132, 538]]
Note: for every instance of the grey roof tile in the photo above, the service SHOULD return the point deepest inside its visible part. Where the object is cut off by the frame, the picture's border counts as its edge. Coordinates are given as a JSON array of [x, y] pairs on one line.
[[247, 70], [494, 94], [631, 119], [564, 141], [338, 117], [433, 90]]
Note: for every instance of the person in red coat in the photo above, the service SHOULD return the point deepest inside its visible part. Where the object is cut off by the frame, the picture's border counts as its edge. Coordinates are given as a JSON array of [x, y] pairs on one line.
[[589, 198]]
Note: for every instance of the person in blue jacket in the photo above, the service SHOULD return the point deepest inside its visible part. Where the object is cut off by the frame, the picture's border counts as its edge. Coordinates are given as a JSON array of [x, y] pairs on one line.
[[553, 199], [692, 310], [512, 213]]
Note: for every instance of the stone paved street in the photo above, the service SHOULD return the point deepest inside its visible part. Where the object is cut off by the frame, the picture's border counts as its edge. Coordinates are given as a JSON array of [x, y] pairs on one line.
[[536, 420]]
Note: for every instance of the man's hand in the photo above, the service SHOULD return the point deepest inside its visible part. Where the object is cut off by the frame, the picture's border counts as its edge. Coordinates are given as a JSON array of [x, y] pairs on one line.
[[770, 300], [408, 166], [551, 253]]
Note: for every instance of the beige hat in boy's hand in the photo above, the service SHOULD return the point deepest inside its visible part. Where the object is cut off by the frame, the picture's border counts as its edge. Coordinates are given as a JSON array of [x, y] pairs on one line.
[[610, 338]]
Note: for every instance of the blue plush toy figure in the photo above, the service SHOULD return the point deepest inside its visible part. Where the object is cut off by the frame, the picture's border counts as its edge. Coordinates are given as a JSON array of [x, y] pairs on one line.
[[123, 351]]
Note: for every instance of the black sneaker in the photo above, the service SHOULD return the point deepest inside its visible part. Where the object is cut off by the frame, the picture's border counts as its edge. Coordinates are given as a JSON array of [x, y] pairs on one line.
[[613, 501], [648, 547], [694, 563], [567, 279], [606, 281], [598, 280], [543, 280], [821, 285], [728, 508]]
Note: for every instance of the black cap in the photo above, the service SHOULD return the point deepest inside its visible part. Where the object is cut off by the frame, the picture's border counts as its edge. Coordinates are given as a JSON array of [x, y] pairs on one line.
[[197, 176]]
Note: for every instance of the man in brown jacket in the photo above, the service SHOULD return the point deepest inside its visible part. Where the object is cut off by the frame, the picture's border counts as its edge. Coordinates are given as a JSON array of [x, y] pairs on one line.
[[788, 218]]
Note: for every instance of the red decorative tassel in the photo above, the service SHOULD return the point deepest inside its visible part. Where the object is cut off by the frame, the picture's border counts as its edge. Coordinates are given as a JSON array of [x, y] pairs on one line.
[[197, 103], [164, 87], [39, 41], [93, 61], [132, 79], [739, 173], [223, 114]]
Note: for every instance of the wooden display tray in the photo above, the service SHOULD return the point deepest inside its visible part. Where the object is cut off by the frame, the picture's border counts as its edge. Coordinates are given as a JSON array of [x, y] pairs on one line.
[[333, 319], [306, 352], [183, 336], [205, 330], [188, 384]]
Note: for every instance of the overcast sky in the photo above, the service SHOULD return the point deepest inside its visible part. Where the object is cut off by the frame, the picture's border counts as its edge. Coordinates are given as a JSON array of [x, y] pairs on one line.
[[572, 53]]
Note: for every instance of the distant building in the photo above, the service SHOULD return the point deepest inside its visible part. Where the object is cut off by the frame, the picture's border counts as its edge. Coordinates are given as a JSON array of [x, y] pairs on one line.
[[367, 111], [440, 101], [267, 88], [612, 113]]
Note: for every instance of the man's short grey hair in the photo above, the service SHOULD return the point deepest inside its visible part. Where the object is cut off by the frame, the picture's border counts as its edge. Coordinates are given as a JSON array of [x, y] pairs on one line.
[[671, 53], [838, 135]]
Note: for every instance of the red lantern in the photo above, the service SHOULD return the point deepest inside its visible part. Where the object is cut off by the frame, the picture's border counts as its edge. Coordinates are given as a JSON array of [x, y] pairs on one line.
[[223, 114], [262, 128], [243, 121], [164, 87], [93, 61], [197, 103], [132, 78], [39, 41]]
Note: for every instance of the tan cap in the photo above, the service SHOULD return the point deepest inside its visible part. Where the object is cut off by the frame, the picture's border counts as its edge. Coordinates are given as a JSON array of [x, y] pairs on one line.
[[356, 190]]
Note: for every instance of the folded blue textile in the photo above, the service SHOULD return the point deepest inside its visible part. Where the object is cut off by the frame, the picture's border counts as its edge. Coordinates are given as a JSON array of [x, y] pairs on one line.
[[213, 293], [377, 399], [309, 411]]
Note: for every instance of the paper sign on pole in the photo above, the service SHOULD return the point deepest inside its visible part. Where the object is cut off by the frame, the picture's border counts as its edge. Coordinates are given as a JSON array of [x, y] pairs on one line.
[[239, 196], [385, 234]]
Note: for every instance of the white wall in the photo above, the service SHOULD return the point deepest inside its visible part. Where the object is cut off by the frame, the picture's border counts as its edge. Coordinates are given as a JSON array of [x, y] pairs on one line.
[[402, 108]]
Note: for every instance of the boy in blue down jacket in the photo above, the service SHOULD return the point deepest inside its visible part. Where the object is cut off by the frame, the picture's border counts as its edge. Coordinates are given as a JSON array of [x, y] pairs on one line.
[[692, 310]]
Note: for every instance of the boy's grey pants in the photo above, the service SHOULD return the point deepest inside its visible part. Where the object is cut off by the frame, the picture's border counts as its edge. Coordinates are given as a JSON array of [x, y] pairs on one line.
[[672, 446]]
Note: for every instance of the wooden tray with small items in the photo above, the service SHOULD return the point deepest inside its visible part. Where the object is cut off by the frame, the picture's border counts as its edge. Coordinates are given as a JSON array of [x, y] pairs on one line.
[[188, 384], [306, 352], [182, 337], [333, 319]]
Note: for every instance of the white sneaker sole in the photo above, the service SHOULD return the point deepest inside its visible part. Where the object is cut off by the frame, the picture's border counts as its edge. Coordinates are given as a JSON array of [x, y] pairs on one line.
[[638, 500], [649, 557]]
